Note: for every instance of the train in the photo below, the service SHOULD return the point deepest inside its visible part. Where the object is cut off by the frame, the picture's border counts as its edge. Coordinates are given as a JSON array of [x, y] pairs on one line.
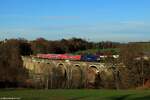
[[86, 57]]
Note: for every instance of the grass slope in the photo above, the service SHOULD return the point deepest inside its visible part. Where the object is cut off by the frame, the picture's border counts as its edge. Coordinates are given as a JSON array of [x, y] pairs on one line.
[[93, 51], [83, 94]]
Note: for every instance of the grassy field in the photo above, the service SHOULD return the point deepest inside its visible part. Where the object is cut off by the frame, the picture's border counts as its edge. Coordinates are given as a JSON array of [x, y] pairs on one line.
[[83, 94], [93, 51]]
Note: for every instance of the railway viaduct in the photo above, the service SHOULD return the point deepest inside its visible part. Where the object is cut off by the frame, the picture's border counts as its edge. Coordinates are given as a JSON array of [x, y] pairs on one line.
[[47, 73]]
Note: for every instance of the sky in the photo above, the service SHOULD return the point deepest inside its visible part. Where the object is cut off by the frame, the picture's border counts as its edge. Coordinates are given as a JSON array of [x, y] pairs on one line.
[[93, 20]]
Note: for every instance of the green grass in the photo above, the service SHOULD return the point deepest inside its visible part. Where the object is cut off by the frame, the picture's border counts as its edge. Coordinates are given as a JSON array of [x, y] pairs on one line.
[[83, 94], [92, 51]]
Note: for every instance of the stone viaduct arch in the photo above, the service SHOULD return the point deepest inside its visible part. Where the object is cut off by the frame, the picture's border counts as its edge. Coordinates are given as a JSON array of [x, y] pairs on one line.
[[92, 75], [76, 76], [59, 76]]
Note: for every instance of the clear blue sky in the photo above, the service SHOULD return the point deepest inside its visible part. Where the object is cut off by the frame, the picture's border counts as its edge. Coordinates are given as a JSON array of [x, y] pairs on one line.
[[96, 20]]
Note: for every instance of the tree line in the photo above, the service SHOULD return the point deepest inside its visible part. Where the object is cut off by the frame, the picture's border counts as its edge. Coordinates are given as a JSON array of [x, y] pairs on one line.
[[12, 73]]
